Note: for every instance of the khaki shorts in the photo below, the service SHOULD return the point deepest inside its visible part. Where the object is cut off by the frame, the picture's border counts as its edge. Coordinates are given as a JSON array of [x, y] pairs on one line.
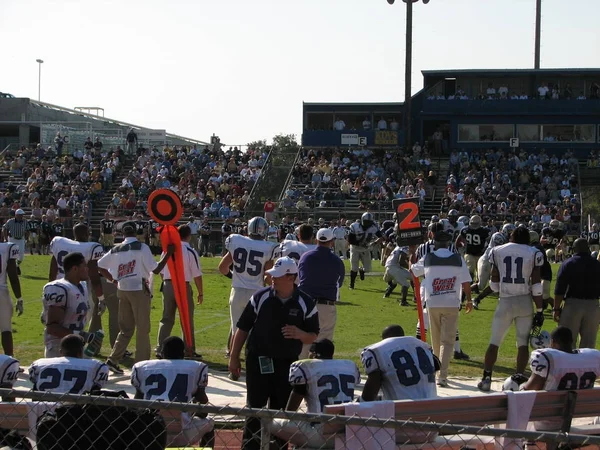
[[107, 240], [512, 309], [472, 261], [33, 238]]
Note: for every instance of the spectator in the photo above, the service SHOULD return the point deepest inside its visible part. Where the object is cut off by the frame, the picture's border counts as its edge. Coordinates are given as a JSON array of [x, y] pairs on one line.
[[339, 125], [132, 141], [382, 124], [366, 124]]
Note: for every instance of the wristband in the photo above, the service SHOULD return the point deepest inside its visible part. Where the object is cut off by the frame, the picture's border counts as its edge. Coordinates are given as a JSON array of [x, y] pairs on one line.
[[20, 299], [101, 298], [540, 310]]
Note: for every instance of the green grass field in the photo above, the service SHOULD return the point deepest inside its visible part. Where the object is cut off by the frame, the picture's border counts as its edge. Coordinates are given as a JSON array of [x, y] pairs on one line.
[[361, 317]]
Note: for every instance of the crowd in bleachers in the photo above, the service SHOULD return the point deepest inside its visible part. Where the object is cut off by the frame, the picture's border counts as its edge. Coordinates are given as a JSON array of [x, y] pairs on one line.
[[66, 185], [514, 185], [501, 91], [212, 182], [327, 178]]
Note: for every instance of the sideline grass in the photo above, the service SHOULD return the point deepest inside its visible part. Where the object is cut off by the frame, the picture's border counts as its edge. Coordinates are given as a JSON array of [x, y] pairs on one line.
[[361, 317]]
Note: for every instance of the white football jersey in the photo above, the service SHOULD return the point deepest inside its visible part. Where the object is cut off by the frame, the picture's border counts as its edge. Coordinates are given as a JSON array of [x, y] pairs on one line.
[[515, 262], [328, 381], [9, 370], [566, 371], [394, 258], [169, 379], [293, 249], [62, 246], [364, 237], [66, 375], [249, 259], [407, 367], [73, 299], [7, 251], [272, 233]]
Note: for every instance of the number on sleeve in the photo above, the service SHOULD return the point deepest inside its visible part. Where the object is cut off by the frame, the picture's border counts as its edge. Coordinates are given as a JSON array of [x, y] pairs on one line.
[[508, 262]]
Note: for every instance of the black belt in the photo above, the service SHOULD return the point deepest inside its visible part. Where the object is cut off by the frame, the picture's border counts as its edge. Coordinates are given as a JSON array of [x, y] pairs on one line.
[[324, 301], [168, 280]]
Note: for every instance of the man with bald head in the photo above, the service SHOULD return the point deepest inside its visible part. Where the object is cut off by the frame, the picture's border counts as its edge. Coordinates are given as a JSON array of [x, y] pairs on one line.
[[576, 295]]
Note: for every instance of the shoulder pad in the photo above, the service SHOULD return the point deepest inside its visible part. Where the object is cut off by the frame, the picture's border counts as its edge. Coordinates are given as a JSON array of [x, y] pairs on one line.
[[136, 245]]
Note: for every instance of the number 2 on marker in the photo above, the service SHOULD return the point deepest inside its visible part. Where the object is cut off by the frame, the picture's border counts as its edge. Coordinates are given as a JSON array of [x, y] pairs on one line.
[[408, 216]]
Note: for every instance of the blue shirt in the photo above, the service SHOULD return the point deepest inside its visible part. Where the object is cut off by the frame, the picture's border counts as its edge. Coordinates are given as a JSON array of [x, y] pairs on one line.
[[321, 274], [579, 277]]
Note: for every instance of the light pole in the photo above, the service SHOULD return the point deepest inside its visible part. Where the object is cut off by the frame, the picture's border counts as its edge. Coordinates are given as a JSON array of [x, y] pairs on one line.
[[538, 33], [40, 62], [408, 71]]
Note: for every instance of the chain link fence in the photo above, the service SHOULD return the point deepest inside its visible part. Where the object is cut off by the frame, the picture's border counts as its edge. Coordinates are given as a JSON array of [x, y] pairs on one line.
[[49, 421]]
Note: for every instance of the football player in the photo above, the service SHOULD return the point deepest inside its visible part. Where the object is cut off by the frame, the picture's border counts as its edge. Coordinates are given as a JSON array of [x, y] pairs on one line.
[[294, 248], [561, 368], [593, 238], [545, 272], [272, 234], [153, 236], [363, 235], [140, 227], [451, 224], [91, 251], [484, 266], [107, 228], [69, 373], [66, 305], [245, 262], [320, 381], [9, 254], [551, 238], [9, 372], [396, 272], [33, 239], [175, 379], [474, 238], [402, 367], [516, 277]]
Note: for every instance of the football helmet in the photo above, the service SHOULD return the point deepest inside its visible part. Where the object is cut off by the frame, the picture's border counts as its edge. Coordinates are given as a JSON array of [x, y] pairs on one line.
[[290, 237], [435, 218], [555, 225], [534, 237], [475, 222], [453, 216], [514, 382], [498, 239], [366, 220], [464, 220], [539, 338], [507, 229], [258, 228], [595, 255]]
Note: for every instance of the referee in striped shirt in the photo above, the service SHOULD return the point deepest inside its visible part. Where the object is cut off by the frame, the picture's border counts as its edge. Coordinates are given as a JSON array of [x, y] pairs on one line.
[[15, 231], [422, 250]]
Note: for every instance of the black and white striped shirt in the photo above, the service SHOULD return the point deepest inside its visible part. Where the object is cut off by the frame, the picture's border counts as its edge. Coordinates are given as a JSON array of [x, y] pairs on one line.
[[16, 230], [429, 247]]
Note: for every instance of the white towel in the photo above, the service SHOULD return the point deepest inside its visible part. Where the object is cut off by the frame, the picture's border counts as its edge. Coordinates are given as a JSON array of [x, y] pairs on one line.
[[520, 405], [35, 411], [359, 437]]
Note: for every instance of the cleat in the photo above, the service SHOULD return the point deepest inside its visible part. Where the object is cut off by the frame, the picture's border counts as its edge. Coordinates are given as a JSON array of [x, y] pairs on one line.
[[476, 305], [351, 287], [485, 385], [404, 303], [114, 368], [127, 354], [233, 377], [442, 383], [461, 355], [386, 295], [361, 274]]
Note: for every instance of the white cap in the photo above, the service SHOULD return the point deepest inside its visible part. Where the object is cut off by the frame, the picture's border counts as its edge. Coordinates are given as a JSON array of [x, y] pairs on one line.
[[19, 211], [283, 266], [325, 235]]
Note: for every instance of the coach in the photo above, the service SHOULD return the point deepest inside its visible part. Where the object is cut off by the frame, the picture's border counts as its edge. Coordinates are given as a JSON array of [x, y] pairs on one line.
[[446, 278], [129, 264], [276, 321], [578, 285], [15, 231], [321, 275]]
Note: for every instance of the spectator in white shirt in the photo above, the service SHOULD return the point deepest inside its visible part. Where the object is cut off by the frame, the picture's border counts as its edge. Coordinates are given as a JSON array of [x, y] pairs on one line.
[[503, 91], [339, 125], [582, 96], [394, 125], [382, 124], [491, 91], [366, 124], [543, 90], [524, 96]]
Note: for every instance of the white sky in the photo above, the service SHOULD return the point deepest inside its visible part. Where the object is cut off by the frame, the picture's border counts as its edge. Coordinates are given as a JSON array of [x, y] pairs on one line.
[[241, 68]]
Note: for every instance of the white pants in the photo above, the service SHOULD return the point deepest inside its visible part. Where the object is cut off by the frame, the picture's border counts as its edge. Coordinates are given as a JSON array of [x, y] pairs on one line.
[[238, 299], [21, 245], [484, 271], [193, 431], [512, 309], [340, 247], [6, 310], [398, 275], [358, 255], [301, 433]]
